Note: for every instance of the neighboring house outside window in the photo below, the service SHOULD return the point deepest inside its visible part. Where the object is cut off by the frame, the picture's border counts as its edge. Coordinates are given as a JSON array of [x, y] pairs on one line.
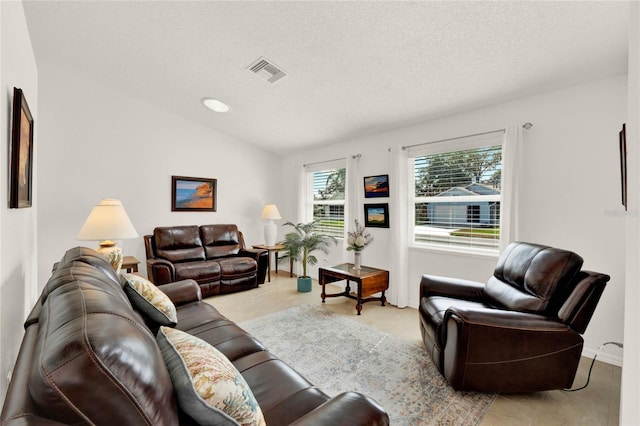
[[328, 199], [456, 195]]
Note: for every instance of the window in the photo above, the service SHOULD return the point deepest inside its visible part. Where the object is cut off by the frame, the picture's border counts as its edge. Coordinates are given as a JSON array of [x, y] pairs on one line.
[[328, 199], [456, 194]]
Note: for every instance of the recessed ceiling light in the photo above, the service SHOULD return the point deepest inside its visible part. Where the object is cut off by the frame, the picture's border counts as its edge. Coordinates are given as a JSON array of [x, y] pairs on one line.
[[215, 105]]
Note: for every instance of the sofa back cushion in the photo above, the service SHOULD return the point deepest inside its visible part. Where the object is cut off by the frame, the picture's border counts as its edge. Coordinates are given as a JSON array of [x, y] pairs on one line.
[[533, 278], [97, 363], [220, 240], [84, 255], [583, 300], [178, 243]]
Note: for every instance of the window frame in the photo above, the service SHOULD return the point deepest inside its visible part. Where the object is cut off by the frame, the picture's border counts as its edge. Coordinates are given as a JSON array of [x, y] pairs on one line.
[[310, 200], [475, 247]]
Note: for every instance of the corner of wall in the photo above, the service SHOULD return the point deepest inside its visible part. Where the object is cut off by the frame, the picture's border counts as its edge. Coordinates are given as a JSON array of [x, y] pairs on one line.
[[18, 241]]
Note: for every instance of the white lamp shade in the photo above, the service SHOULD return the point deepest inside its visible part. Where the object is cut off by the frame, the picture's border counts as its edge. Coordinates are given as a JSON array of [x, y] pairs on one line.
[[270, 211], [107, 221]]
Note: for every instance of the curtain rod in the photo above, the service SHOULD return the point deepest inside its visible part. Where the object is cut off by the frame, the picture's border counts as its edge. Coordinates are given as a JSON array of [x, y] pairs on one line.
[[524, 126], [329, 161]]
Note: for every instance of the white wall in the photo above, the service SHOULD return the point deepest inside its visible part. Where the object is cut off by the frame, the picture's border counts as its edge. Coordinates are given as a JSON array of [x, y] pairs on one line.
[[630, 395], [571, 188], [97, 142], [18, 282]]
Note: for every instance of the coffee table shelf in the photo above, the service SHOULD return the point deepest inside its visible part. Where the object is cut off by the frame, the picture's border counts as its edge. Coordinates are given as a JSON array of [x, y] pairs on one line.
[[368, 280]]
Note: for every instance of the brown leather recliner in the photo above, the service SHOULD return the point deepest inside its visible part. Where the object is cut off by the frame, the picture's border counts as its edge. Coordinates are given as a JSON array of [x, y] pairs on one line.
[[214, 256], [518, 332]]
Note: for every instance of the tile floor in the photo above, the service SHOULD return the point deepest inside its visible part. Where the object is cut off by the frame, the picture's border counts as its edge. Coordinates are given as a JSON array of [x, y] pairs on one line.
[[598, 404]]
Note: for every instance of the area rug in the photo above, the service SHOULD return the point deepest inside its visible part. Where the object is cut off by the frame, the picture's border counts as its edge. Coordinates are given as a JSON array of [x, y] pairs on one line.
[[338, 354]]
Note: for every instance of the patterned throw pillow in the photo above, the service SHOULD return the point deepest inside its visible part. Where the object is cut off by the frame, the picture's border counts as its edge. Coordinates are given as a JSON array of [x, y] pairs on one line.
[[207, 385], [148, 299]]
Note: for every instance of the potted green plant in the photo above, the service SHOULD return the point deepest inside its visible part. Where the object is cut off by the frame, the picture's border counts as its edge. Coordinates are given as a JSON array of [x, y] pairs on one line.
[[300, 244]]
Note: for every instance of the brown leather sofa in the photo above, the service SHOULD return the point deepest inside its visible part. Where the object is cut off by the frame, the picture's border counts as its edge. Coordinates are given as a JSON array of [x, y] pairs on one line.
[[89, 357], [518, 332], [214, 256]]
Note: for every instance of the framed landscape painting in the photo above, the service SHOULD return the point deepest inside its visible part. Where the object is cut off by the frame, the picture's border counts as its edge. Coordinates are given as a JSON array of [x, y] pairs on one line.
[[21, 152], [193, 194], [376, 215], [376, 186]]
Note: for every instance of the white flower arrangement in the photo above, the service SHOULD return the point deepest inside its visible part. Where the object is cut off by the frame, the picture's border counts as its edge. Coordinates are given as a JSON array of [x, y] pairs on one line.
[[359, 238]]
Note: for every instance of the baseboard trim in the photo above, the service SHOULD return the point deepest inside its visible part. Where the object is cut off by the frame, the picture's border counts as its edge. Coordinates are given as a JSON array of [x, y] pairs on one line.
[[604, 356]]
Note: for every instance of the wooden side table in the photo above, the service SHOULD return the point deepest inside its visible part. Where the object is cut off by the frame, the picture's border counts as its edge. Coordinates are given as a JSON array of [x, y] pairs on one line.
[[130, 264], [369, 281], [274, 248]]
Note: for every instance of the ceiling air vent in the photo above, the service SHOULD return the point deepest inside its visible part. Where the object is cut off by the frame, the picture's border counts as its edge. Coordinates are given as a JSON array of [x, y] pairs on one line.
[[266, 70]]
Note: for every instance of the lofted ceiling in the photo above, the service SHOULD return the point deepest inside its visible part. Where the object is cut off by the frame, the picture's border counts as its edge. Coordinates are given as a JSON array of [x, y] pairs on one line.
[[353, 67]]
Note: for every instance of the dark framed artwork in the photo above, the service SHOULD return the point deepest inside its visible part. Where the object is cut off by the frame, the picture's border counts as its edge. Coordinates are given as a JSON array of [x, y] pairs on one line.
[[622, 140], [191, 194], [376, 215], [376, 186], [21, 167]]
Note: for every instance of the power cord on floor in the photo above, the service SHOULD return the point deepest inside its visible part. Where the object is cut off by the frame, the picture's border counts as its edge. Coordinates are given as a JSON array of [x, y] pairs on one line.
[[592, 363]]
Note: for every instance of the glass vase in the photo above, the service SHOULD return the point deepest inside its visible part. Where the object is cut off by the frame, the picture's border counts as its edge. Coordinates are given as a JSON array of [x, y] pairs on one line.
[[357, 260]]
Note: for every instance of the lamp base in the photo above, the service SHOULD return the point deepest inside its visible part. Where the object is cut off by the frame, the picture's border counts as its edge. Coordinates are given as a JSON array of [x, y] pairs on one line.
[[270, 233], [113, 253]]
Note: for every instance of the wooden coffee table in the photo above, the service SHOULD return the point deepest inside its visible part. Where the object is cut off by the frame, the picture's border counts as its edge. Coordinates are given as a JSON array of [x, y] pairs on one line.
[[369, 281]]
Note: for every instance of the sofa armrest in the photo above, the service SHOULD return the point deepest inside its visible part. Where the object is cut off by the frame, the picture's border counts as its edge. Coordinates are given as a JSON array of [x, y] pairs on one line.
[[433, 285], [252, 253], [503, 319], [160, 271], [182, 292], [261, 256], [346, 409]]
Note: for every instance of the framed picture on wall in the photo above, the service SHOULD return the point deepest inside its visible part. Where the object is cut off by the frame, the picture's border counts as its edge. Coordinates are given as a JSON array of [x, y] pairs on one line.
[[191, 194], [21, 157], [376, 215], [622, 140], [376, 186]]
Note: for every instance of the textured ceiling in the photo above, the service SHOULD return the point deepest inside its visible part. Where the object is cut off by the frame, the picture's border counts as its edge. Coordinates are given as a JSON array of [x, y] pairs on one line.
[[353, 68]]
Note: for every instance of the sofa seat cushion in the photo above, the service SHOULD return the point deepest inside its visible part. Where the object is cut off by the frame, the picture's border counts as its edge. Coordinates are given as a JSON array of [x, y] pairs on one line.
[[295, 395], [208, 387], [237, 267], [206, 322], [202, 272]]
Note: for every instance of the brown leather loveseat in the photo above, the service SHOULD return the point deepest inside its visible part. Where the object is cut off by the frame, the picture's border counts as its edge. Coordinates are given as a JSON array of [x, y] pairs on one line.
[[518, 332], [89, 356], [214, 256]]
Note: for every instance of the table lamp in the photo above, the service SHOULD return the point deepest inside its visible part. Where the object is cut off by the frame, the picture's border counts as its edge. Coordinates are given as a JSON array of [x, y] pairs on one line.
[[108, 221], [270, 212]]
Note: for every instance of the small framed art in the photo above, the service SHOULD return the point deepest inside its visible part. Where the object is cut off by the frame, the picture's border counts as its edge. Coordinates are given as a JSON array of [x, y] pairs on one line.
[[376, 215], [191, 194], [21, 166], [376, 186], [622, 139]]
